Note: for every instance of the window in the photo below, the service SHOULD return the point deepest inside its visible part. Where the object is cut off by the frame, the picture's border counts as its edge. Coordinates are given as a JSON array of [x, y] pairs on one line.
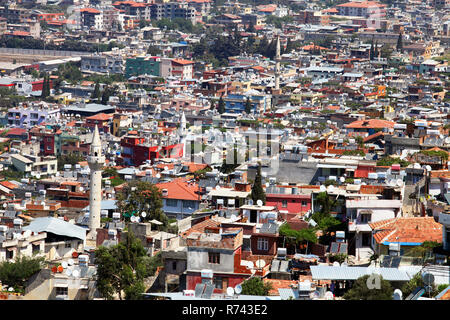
[[36, 248], [68, 245], [366, 237], [61, 291], [304, 203], [171, 202], [220, 283], [263, 244], [365, 218], [174, 265], [284, 203], [214, 257], [189, 204], [9, 254]]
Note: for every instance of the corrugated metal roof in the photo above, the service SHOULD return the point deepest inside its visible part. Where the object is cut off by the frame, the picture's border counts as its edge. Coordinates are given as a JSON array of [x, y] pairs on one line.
[[286, 294], [57, 226], [353, 273]]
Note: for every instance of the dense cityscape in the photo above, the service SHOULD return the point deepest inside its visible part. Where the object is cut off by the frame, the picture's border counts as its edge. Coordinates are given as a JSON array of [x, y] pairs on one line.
[[224, 150]]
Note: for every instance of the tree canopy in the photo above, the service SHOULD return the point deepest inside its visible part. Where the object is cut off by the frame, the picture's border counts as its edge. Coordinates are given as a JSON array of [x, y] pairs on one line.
[[139, 196], [121, 269], [360, 290], [255, 286], [15, 274], [257, 188]]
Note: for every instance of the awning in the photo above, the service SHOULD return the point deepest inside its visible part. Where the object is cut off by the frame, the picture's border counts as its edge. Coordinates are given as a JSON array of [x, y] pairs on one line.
[[61, 285], [156, 222], [11, 249], [36, 243]]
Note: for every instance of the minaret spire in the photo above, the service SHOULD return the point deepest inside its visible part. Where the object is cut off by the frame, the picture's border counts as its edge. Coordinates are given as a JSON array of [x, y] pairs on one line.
[[277, 64], [96, 161]]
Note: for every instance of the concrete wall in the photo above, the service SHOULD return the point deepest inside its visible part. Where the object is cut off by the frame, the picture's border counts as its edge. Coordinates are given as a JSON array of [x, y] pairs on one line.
[[197, 259]]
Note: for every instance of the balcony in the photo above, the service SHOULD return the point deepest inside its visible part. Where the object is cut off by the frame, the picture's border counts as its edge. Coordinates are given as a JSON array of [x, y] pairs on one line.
[[358, 225]]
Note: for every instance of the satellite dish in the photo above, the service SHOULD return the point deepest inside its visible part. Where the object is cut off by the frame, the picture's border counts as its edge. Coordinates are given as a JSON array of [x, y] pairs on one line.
[[323, 188], [10, 289], [399, 182], [158, 176], [5, 205], [330, 188], [64, 264], [76, 273], [342, 179], [230, 291], [143, 214], [238, 289], [71, 262], [166, 168], [69, 272], [329, 295], [27, 233], [259, 203], [428, 278], [336, 264], [398, 294], [217, 187], [260, 263], [250, 265], [428, 167], [267, 184]]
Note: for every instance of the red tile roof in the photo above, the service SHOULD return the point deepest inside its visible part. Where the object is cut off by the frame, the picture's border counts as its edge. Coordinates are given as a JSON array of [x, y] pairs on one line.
[[279, 284], [407, 229], [89, 10], [201, 226], [371, 124], [100, 116], [182, 61], [361, 4], [180, 189]]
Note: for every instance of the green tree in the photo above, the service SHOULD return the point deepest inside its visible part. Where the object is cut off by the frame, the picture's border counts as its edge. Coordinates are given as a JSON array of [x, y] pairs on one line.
[[257, 188], [296, 237], [154, 51], [45, 87], [96, 94], [139, 196], [360, 290], [424, 251], [255, 286], [107, 92], [71, 158], [221, 105], [417, 282], [400, 42], [121, 269], [212, 104], [16, 274], [248, 106]]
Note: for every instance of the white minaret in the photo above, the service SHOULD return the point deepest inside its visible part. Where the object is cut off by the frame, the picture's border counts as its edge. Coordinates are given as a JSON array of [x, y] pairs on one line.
[[96, 161], [182, 132], [277, 65]]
